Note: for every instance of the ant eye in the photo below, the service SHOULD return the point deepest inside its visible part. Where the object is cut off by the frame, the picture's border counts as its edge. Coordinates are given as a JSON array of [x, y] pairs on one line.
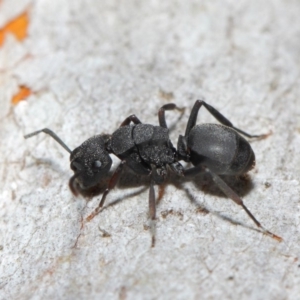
[[97, 164]]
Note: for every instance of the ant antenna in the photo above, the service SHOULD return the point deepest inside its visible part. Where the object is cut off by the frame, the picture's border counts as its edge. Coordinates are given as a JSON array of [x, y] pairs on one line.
[[52, 134]]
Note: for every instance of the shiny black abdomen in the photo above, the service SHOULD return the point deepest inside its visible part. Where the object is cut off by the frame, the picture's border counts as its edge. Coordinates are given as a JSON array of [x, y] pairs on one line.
[[221, 149]]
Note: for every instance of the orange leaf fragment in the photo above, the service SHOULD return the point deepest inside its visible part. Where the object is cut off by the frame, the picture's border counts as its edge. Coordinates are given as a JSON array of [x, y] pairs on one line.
[[22, 94], [17, 27]]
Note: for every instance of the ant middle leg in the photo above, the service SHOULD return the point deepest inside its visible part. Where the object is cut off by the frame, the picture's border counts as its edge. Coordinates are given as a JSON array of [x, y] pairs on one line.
[[152, 212], [161, 113], [132, 118], [194, 113]]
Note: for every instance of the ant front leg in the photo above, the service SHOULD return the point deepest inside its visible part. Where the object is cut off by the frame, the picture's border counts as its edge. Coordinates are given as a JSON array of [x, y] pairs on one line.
[[161, 113], [194, 113], [112, 183]]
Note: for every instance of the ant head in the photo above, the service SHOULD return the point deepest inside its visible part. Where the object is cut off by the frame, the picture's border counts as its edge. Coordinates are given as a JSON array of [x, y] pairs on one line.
[[90, 162]]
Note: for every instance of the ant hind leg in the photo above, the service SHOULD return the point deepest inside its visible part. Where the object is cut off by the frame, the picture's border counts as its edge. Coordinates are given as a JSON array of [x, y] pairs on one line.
[[234, 197], [215, 113]]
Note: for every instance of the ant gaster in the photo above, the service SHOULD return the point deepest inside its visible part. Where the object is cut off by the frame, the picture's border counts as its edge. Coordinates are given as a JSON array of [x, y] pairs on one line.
[[147, 150]]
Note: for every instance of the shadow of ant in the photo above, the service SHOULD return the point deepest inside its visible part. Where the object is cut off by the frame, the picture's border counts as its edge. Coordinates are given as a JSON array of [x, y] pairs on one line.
[[203, 182]]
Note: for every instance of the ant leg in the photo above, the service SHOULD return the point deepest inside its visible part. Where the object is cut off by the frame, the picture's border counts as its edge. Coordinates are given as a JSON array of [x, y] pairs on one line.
[[132, 118], [191, 172], [233, 196], [177, 168], [112, 183], [52, 134], [161, 113], [194, 113], [152, 212]]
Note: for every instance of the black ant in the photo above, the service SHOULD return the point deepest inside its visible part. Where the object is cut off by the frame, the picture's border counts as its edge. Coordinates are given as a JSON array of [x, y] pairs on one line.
[[147, 150]]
